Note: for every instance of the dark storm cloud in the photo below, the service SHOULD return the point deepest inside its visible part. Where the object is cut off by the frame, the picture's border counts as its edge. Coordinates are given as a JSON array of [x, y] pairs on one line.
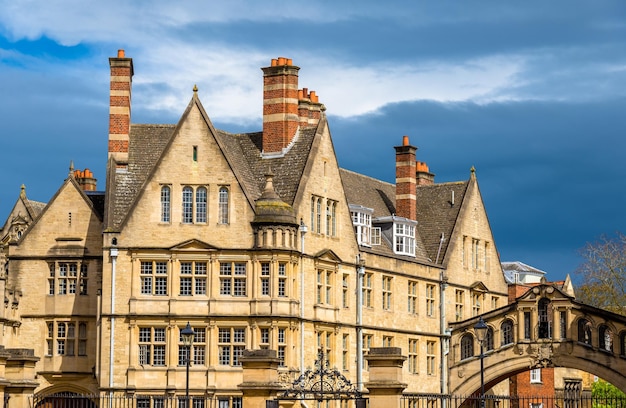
[[551, 174]]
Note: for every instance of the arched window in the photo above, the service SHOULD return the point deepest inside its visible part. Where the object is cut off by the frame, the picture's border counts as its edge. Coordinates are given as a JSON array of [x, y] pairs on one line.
[[223, 206], [584, 331], [467, 346], [545, 318], [165, 204], [489, 340], [201, 204], [507, 332], [187, 205], [605, 338]]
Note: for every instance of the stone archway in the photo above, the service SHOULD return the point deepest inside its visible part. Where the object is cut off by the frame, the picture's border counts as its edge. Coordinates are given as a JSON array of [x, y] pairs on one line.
[[549, 329]]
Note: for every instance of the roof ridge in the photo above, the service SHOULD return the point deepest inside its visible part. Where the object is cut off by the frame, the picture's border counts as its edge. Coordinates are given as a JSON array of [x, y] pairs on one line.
[[366, 176]]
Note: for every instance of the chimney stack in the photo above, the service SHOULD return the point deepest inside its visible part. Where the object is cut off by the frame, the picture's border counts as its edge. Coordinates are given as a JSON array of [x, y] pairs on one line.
[[424, 176], [119, 107], [406, 201], [280, 105], [309, 108], [85, 179]]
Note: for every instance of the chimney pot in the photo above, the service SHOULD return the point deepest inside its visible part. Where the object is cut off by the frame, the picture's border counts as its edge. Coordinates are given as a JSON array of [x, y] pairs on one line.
[[405, 140], [274, 62], [289, 61], [120, 53], [281, 61]]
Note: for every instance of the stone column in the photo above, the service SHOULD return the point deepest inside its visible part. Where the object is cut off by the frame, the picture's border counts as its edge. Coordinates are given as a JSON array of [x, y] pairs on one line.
[[385, 384], [260, 377]]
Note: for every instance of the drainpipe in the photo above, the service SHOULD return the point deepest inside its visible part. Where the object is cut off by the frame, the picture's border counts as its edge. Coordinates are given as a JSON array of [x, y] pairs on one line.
[[113, 253], [359, 321], [303, 231], [445, 335]]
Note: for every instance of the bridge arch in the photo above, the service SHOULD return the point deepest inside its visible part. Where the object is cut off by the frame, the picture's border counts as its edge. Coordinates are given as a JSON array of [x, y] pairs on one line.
[[545, 327]]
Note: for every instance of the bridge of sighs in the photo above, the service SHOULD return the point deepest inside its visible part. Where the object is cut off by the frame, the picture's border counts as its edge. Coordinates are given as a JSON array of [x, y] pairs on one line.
[[544, 328]]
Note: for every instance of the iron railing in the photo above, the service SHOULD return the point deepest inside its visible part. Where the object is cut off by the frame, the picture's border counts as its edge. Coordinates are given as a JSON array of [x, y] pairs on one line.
[[508, 401], [71, 400]]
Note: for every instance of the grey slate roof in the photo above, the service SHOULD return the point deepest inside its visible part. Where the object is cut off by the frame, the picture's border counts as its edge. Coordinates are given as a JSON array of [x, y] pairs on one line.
[[437, 215], [435, 212], [244, 153]]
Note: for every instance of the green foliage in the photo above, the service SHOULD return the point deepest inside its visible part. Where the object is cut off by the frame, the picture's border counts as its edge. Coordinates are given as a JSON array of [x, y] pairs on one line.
[[603, 274], [605, 394]]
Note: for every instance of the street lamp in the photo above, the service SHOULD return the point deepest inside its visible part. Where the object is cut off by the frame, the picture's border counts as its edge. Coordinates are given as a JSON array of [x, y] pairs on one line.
[[481, 333], [187, 336]]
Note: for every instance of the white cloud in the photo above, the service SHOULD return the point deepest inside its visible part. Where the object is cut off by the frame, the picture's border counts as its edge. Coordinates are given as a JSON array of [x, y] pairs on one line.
[[230, 81]]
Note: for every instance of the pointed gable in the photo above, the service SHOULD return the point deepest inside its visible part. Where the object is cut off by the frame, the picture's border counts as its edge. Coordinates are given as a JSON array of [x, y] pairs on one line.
[[69, 225], [149, 143], [23, 213]]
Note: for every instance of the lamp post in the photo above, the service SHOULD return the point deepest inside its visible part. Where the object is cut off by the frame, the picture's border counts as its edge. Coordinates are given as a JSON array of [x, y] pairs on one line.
[[187, 336], [481, 332]]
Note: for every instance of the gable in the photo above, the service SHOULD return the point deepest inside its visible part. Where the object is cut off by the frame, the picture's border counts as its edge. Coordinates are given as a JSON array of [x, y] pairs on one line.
[[68, 226], [327, 256], [193, 245]]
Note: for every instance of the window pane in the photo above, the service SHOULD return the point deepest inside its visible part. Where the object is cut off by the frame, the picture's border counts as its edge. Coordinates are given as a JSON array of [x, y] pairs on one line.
[[165, 204], [187, 205], [223, 206], [201, 204]]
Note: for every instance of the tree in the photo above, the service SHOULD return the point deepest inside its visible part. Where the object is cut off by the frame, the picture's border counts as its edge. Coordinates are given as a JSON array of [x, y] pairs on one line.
[[603, 273], [606, 395]]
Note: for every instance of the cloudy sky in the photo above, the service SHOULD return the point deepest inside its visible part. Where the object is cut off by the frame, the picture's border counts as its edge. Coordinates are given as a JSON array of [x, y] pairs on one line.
[[532, 94]]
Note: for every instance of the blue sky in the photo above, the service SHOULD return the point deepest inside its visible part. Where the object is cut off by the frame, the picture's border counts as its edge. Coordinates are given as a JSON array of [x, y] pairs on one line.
[[532, 94]]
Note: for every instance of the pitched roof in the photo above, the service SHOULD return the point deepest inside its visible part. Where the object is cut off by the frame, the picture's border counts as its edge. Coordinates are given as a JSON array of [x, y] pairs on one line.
[[242, 151], [436, 213]]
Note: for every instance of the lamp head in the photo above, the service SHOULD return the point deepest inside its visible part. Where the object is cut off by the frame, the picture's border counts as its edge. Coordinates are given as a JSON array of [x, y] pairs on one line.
[[187, 334], [481, 329]]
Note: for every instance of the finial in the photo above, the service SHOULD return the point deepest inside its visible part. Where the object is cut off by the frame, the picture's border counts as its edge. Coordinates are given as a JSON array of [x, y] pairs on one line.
[[23, 191], [195, 88], [71, 168], [473, 172]]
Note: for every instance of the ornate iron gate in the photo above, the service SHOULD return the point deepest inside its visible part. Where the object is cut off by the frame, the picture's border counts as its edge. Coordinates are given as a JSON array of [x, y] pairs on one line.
[[320, 384]]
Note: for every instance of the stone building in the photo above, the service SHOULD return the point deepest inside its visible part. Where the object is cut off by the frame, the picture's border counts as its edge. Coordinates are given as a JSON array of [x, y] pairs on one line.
[[258, 241]]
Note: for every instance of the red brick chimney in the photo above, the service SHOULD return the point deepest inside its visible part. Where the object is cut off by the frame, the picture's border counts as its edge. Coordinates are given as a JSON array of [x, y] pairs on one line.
[[119, 107], [406, 204], [280, 104]]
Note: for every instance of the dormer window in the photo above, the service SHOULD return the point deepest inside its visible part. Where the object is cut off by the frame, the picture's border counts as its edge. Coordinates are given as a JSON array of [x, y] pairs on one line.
[[362, 222], [404, 237]]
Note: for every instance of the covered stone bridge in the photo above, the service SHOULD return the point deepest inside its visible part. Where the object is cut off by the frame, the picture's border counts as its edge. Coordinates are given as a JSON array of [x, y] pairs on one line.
[[545, 327]]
